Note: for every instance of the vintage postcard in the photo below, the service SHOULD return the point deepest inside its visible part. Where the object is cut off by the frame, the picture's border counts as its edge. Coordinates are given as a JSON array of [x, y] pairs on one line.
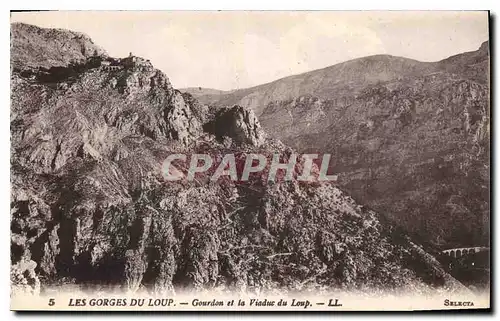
[[250, 161]]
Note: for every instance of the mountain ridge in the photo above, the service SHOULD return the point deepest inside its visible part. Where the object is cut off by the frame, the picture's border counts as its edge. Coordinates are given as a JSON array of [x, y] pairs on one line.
[[244, 96], [384, 128], [90, 206]]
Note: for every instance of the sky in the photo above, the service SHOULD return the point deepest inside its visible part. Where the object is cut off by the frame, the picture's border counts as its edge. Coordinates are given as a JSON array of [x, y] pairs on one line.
[[231, 50]]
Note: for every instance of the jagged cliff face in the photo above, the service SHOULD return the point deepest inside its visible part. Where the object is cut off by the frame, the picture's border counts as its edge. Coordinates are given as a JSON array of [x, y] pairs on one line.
[[89, 204], [409, 139]]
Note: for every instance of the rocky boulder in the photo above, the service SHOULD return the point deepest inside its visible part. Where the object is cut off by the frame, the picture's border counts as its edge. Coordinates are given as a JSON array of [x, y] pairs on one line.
[[237, 123]]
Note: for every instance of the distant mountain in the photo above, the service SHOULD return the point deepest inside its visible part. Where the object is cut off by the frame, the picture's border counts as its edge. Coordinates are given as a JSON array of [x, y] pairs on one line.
[[410, 138], [200, 91], [346, 79], [36, 47], [473, 65]]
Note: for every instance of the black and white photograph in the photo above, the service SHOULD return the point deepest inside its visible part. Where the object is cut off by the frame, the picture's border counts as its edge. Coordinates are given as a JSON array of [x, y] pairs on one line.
[[250, 160]]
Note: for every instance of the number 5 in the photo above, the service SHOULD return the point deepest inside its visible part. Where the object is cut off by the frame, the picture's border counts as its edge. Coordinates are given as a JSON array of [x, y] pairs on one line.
[[51, 302]]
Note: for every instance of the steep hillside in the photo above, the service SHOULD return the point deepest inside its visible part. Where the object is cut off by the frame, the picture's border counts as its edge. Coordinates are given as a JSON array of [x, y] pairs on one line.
[[90, 205], [410, 139], [40, 47]]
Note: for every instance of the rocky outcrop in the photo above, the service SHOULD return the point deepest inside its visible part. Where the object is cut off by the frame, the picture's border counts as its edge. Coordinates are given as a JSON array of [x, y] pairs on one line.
[[237, 123]]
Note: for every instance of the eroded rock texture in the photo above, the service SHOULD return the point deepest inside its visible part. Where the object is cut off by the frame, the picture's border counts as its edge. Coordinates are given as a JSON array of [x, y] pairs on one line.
[[90, 207]]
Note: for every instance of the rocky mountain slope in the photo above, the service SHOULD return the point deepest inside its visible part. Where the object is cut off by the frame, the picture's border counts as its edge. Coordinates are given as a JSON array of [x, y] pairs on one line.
[[345, 79], [40, 47], [410, 139], [90, 206], [201, 91]]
